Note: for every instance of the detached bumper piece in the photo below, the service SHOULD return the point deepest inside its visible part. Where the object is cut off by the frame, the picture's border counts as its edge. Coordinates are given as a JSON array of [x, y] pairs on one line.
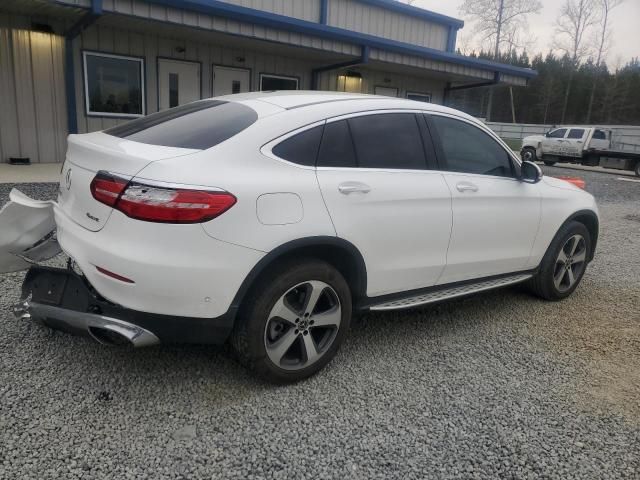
[[64, 300]]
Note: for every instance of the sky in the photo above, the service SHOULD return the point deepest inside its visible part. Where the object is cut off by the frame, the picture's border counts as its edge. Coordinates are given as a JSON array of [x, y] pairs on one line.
[[625, 26]]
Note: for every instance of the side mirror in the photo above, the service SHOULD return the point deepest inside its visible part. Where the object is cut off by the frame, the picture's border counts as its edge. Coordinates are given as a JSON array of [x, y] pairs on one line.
[[530, 172], [546, 134]]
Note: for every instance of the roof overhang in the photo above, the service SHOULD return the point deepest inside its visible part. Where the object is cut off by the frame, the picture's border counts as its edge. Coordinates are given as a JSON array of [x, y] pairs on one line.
[[268, 19]]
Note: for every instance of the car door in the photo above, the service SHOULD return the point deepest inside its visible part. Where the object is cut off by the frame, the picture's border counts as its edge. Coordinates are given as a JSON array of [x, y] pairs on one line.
[[553, 142], [495, 215], [377, 175], [574, 142]]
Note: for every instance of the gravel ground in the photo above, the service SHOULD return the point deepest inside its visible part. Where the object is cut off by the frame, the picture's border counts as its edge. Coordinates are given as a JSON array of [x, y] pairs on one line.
[[500, 385]]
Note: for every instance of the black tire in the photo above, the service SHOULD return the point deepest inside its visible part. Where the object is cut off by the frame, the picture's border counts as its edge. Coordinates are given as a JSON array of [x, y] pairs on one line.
[[249, 337], [549, 163], [528, 154], [637, 169], [543, 285]]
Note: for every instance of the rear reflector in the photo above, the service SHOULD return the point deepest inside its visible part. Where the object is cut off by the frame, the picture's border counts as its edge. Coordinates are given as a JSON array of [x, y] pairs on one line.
[[114, 275], [157, 203]]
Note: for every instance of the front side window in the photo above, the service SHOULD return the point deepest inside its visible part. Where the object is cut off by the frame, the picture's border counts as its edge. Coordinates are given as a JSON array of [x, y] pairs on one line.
[[576, 133], [390, 140], [559, 133], [468, 149], [277, 82], [114, 85], [198, 125], [301, 148]]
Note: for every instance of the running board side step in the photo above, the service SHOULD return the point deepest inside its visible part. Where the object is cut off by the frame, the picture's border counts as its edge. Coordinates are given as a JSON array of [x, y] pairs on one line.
[[451, 292]]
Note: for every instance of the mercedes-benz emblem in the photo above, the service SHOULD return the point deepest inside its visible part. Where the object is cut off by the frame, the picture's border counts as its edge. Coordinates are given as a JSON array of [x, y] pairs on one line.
[[68, 179]]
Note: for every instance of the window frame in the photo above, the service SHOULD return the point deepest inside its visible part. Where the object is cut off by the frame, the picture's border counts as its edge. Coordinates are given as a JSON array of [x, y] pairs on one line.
[[427, 143], [143, 89], [278, 76], [375, 87], [429, 149], [442, 158]]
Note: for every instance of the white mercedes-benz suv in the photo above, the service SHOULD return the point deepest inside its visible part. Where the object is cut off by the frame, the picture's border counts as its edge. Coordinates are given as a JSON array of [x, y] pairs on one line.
[[268, 219]]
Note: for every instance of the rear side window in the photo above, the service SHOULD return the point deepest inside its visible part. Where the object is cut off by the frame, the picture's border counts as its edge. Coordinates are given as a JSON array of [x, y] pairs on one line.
[[199, 125], [468, 149], [390, 140], [576, 133], [301, 148], [599, 135], [336, 149]]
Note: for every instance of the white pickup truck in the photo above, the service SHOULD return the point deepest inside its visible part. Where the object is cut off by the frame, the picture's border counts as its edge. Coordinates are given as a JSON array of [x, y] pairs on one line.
[[585, 145]]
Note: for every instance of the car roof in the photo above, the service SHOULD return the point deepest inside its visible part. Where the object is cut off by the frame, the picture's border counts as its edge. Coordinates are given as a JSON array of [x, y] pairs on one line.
[[298, 99]]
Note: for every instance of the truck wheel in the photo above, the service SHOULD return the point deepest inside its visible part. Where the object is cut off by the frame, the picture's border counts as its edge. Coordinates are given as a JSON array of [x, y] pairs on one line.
[[528, 154], [564, 264], [549, 163], [293, 322], [637, 169]]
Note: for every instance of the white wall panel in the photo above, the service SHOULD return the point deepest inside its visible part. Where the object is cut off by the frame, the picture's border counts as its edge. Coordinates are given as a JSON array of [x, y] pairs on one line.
[[360, 17], [33, 121]]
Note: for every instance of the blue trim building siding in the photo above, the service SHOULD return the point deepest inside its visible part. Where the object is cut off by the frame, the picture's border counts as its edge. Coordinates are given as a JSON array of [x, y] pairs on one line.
[[354, 45]]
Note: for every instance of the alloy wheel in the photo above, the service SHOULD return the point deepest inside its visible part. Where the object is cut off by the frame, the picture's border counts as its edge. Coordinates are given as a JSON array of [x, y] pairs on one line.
[[570, 263], [302, 325]]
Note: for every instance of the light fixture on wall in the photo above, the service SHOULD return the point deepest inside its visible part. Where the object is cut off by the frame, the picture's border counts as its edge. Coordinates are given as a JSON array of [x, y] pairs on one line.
[[240, 59], [350, 81], [180, 49]]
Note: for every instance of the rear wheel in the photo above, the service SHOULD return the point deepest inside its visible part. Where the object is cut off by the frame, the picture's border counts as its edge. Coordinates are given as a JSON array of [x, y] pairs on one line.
[[293, 322], [528, 154], [637, 169], [549, 163], [564, 264]]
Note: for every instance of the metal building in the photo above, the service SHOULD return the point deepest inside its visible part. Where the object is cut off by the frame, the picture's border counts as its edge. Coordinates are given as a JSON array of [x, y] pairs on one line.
[[70, 66]]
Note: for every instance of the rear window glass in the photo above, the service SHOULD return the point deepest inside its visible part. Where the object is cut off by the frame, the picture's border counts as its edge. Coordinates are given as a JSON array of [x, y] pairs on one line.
[[301, 148], [336, 149], [198, 125]]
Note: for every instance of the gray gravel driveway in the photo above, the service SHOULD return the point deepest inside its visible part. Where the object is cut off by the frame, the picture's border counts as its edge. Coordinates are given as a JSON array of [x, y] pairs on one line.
[[500, 385]]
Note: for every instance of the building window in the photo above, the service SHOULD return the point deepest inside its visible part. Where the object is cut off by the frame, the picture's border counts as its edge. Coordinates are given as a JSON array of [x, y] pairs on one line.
[[419, 97], [114, 85], [277, 82], [386, 91]]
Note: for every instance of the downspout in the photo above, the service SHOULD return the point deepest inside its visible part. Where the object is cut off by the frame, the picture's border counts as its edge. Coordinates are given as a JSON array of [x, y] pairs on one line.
[[69, 74], [315, 73]]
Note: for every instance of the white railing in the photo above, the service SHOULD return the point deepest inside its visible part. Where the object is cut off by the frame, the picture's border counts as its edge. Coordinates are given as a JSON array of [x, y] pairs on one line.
[[623, 137]]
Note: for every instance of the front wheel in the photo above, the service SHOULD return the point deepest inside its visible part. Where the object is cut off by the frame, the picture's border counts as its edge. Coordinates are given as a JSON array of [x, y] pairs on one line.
[[293, 322], [528, 154], [564, 264]]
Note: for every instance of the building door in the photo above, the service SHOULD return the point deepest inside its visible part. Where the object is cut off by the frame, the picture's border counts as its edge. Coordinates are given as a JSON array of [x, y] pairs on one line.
[[178, 82], [228, 80]]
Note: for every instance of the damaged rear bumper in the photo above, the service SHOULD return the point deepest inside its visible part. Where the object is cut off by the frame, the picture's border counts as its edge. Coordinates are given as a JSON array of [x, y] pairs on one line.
[[63, 299]]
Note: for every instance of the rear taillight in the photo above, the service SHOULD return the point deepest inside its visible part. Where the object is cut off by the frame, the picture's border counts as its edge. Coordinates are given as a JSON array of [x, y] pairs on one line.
[[107, 188], [159, 203]]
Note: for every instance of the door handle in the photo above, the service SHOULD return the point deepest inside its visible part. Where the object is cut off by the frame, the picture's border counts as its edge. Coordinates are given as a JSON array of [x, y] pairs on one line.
[[466, 187], [353, 187]]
